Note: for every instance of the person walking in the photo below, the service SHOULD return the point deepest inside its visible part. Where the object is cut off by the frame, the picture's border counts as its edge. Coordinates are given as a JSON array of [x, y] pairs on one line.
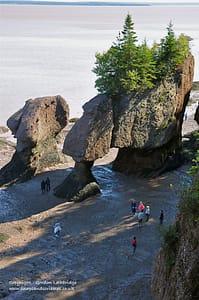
[[134, 244], [161, 217], [147, 212], [43, 187], [133, 207], [57, 230], [140, 217], [47, 184]]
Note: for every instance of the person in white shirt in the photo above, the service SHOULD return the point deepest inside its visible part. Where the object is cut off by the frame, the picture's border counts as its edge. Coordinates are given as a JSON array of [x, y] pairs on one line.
[[57, 230], [147, 212]]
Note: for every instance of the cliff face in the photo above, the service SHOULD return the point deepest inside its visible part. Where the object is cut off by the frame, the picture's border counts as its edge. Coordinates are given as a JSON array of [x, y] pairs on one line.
[[35, 126], [146, 127], [176, 268]]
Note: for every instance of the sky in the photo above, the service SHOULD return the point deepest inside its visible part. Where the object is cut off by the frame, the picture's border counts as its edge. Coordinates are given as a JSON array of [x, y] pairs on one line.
[[133, 1], [128, 1]]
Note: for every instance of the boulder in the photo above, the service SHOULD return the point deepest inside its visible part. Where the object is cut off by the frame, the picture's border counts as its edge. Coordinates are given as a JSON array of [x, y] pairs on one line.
[[35, 127], [90, 137]]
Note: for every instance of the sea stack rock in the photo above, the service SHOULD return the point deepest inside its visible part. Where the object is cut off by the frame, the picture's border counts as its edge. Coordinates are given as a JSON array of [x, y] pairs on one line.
[[145, 127], [35, 127], [148, 127], [88, 140]]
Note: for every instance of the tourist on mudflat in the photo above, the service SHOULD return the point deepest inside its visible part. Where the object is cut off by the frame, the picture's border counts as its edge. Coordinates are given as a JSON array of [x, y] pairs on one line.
[[161, 217], [140, 217], [57, 230], [147, 212], [134, 244], [133, 207], [43, 187], [47, 184], [141, 206]]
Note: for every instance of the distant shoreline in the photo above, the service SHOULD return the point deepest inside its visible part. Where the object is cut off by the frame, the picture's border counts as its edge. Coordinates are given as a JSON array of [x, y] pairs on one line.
[[92, 3], [77, 3]]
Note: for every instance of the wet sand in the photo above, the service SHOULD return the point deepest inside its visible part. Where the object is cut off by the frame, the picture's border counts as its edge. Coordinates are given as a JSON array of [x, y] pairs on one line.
[[94, 251]]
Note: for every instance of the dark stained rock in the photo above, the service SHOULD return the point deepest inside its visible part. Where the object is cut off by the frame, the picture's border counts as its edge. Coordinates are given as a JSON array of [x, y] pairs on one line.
[[79, 184], [36, 127]]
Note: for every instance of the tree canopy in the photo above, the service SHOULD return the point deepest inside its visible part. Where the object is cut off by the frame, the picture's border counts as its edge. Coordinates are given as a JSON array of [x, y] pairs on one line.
[[128, 67]]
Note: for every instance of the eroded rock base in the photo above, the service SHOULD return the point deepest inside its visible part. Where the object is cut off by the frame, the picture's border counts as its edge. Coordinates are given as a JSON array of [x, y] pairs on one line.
[[149, 163], [79, 184]]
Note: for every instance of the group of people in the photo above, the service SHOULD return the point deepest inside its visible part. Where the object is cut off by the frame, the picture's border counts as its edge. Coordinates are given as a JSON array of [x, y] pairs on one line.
[[45, 185], [141, 210]]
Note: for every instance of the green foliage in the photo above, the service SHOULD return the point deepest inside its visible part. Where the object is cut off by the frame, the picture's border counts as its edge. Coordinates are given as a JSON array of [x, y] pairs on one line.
[[183, 47], [195, 86], [146, 66], [188, 221], [3, 129], [189, 193], [108, 70], [170, 242], [129, 36], [3, 237], [128, 67], [73, 120], [194, 170], [125, 67], [171, 52], [189, 200]]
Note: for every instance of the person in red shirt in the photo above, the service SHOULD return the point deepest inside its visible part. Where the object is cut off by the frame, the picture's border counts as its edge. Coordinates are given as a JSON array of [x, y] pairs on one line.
[[134, 244], [141, 206]]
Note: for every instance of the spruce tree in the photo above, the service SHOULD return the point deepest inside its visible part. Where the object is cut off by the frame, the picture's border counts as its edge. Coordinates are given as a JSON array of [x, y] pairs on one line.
[[128, 67], [146, 66], [171, 53]]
